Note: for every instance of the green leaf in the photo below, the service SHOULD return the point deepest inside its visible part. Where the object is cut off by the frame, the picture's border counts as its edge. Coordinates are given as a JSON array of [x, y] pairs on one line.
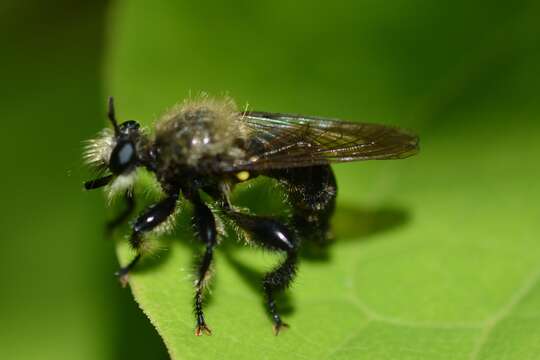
[[436, 256]]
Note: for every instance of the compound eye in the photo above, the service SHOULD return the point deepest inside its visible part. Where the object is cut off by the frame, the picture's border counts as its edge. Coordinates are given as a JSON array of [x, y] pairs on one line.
[[129, 126], [123, 157]]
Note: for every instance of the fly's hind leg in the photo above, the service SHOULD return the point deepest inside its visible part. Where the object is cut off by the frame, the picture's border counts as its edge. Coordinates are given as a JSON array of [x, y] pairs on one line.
[[272, 235], [312, 193]]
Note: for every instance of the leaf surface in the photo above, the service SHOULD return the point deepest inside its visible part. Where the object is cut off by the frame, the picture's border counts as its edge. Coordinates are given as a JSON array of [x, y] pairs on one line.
[[437, 256]]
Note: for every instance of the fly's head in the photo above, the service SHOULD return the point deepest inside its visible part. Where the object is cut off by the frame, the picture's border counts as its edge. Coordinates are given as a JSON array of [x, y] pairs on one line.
[[120, 151]]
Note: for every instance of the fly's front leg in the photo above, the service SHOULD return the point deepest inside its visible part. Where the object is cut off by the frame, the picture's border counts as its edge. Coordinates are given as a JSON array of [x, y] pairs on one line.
[[152, 217], [98, 183], [205, 225], [272, 235]]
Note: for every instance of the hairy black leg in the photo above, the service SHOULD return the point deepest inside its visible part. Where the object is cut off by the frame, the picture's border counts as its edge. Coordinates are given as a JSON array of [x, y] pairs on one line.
[[273, 235], [124, 215], [312, 192], [277, 280], [97, 183], [153, 216], [205, 225]]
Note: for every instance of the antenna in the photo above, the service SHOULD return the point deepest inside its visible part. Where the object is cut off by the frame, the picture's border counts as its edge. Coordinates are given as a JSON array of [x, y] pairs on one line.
[[112, 116]]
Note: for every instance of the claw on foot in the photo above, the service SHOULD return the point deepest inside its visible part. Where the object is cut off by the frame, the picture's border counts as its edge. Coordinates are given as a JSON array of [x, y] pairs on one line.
[[123, 277], [202, 329], [279, 326]]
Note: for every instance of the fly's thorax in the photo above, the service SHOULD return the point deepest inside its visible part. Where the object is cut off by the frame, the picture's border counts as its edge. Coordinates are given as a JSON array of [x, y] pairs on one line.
[[199, 131]]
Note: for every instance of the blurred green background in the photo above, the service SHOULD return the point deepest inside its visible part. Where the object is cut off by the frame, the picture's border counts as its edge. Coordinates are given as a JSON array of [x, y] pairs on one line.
[[464, 75]]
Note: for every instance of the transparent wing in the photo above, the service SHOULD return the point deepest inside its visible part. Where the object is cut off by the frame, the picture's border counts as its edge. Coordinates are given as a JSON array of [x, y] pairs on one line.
[[284, 140]]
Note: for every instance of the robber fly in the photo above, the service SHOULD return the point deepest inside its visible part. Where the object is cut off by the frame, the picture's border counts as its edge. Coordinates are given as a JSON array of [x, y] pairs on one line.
[[208, 146]]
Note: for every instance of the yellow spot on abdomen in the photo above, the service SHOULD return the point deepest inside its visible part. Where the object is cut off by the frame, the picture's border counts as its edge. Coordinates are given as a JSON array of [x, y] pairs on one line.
[[242, 175]]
